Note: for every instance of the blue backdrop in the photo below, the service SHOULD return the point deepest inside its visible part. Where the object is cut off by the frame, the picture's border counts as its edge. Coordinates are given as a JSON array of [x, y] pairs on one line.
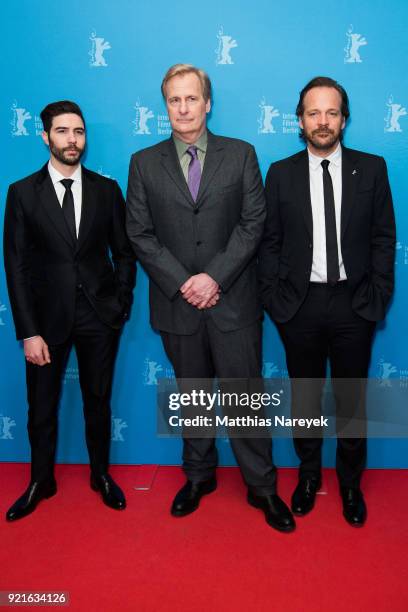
[[110, 57]]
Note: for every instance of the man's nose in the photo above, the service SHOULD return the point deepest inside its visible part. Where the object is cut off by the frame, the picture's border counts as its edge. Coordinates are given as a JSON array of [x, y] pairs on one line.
[[72, 137], [183, 107]]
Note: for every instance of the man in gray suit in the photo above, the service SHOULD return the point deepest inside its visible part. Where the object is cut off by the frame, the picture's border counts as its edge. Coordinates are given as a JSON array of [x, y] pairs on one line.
[[195, 215]]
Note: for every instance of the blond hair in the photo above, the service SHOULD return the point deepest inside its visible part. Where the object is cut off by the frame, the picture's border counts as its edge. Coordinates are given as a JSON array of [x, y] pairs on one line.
[[182, 69]]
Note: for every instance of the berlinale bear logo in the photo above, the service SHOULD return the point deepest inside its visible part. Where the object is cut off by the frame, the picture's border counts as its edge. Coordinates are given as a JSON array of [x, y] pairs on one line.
[[99, 46]]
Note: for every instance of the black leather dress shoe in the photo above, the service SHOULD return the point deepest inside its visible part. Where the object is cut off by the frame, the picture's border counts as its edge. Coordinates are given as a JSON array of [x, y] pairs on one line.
[[277, 514], [303, 498], [188, 498], [28, 502], [354, 508], [112, 495]]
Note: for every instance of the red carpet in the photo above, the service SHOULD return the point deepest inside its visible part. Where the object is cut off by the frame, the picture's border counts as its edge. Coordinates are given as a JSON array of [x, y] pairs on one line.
[[223, 557]]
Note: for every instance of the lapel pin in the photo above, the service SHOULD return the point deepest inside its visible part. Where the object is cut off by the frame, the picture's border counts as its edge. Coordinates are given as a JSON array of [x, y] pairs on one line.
[[354, 172]]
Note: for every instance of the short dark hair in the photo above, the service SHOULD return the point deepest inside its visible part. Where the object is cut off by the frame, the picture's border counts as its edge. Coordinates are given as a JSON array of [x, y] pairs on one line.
[[322, 81], [59, 108]]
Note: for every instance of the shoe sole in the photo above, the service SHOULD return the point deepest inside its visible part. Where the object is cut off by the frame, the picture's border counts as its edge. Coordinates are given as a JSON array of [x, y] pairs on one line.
[[180, 514], [255, 504]]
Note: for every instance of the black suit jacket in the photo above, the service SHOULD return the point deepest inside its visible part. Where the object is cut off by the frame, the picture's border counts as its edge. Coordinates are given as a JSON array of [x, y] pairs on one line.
[[174, 237], [44, 266], [367, 235]]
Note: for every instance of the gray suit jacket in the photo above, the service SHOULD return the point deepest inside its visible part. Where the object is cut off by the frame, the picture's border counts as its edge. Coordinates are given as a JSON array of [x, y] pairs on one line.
[[174, 237]]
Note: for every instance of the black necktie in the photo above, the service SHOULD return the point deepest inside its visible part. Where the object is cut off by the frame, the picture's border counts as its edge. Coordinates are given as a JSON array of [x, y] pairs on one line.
[[68, 207], [332, 255]]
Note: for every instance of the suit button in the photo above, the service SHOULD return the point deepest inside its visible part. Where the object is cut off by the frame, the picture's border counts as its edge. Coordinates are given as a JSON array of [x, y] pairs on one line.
[[196, 211], [79, 286], [198, 242], [310, 245]]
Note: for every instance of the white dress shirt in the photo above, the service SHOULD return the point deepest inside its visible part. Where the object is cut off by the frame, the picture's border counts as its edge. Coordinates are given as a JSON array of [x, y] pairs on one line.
[[319, 263], [76, 189]]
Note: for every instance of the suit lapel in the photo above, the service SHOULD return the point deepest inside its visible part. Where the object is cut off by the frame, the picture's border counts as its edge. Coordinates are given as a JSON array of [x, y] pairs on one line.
[[302, 185], [51, 205], [171, 164], [89, 205], [213, 159], [350, 176]]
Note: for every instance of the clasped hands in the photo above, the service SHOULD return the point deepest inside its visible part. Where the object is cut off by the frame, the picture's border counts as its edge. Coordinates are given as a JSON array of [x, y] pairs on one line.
[[201, 291]]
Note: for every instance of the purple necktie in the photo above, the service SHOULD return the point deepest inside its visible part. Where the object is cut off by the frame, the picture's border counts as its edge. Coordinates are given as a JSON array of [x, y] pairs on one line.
[[194, 172]]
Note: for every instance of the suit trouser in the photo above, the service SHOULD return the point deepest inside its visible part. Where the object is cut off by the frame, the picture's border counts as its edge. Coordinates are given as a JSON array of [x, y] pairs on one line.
[[326, 328], [96, 346], [236, 354]]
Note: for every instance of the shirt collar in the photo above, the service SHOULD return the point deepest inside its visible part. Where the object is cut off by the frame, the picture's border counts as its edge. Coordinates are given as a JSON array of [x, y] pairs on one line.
[[334, 158], [56, 176], [181, 147]]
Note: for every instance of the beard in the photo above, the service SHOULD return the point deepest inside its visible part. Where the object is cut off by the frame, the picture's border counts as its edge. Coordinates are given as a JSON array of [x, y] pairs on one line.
[[61, 154], [333, 136]]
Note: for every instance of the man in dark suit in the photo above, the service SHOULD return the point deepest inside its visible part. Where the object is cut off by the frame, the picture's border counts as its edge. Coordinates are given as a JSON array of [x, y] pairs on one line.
[[70, 274], [195, 215], [326, 275]]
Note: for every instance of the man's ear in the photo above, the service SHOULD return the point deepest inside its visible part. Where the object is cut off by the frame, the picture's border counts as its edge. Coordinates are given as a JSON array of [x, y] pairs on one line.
[[44, 136]]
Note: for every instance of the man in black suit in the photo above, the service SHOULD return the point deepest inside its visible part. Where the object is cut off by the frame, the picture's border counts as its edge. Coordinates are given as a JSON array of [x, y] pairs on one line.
[[326, 275], [70, 274], [195, 216]]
